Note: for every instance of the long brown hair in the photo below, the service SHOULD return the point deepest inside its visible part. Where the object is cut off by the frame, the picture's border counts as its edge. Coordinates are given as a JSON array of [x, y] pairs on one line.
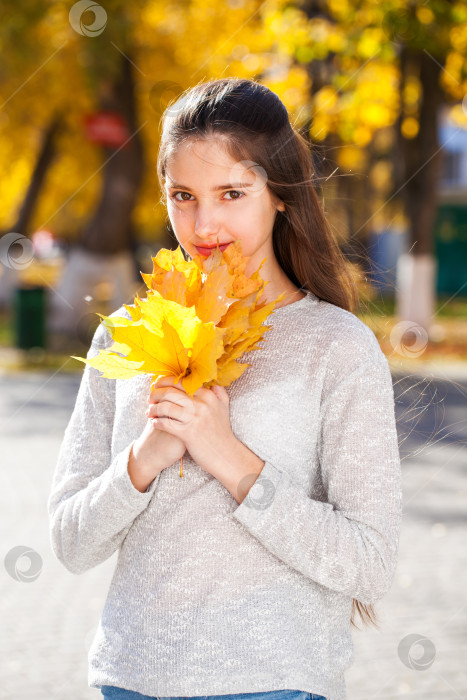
[[253, 125]]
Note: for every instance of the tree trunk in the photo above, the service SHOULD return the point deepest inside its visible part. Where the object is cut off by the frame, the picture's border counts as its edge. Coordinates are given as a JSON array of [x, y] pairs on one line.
[[421, 159], [344, 194], [421, 155], [46, 156], [47, 153], [100, 272], [109, 231]]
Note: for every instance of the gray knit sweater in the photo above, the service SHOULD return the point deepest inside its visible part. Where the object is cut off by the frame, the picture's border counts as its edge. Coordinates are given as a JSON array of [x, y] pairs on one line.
[[213, 597]]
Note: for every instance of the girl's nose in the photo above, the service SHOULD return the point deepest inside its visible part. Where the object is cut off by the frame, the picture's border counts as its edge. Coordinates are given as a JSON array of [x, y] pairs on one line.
[[206, 230], [207, 224]]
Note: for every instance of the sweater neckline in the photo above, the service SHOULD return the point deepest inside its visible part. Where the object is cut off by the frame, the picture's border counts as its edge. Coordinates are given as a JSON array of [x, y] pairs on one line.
[[296, 304]]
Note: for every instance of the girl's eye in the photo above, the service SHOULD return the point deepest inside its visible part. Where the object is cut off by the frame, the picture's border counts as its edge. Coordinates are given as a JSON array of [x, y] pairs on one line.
[[236, 192], [174, 196]]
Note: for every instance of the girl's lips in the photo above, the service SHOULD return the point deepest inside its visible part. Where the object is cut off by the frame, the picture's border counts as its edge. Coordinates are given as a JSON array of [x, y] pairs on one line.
[[208, 251]]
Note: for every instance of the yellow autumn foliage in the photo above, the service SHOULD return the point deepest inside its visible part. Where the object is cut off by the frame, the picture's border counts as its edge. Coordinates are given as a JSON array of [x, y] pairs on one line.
[[197, 319]]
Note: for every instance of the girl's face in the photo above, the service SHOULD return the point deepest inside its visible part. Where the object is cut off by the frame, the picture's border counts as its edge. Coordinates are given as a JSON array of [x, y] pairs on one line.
[[210, 196]]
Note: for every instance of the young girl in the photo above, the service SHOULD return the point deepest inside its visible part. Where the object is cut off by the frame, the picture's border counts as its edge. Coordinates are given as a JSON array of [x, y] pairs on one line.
[[241, 578]]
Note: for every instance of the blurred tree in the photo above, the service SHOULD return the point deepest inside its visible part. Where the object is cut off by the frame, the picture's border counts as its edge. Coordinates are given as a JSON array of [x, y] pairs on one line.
[[378, 68], [46, 155], [42, 164], [114, 68]]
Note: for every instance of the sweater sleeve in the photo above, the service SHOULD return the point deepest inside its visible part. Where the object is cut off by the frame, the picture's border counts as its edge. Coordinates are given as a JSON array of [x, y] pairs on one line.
[[93, 502], [349, 543]]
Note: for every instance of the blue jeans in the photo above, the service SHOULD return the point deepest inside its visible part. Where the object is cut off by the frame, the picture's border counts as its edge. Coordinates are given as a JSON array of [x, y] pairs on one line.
[[111, 692]]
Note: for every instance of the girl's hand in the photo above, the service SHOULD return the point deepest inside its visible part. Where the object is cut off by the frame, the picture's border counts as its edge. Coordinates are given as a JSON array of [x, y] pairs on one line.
[[155, 449], [152, 452], [201, 422]]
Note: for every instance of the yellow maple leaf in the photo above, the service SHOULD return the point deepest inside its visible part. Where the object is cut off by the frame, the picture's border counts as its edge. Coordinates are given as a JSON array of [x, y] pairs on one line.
[[167, 340], [173, 277], [114, 367]]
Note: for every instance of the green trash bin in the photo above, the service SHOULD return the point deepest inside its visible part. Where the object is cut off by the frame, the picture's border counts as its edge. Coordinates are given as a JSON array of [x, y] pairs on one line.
[[29, 317]]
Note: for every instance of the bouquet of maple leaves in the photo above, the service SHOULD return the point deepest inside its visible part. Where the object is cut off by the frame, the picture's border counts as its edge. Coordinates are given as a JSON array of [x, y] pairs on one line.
[[198, 317]]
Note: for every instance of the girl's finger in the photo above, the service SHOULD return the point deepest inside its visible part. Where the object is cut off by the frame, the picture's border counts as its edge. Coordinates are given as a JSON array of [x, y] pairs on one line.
[[165, 409], [169, 425], [203, 393], [168, 381], [158, 395]]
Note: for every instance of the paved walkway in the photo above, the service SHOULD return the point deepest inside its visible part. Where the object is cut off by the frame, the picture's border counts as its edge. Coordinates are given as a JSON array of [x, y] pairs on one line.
[[48, 623]]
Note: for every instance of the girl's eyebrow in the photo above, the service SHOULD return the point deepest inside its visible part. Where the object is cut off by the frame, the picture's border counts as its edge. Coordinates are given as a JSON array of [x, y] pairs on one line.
[[213, 189]]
